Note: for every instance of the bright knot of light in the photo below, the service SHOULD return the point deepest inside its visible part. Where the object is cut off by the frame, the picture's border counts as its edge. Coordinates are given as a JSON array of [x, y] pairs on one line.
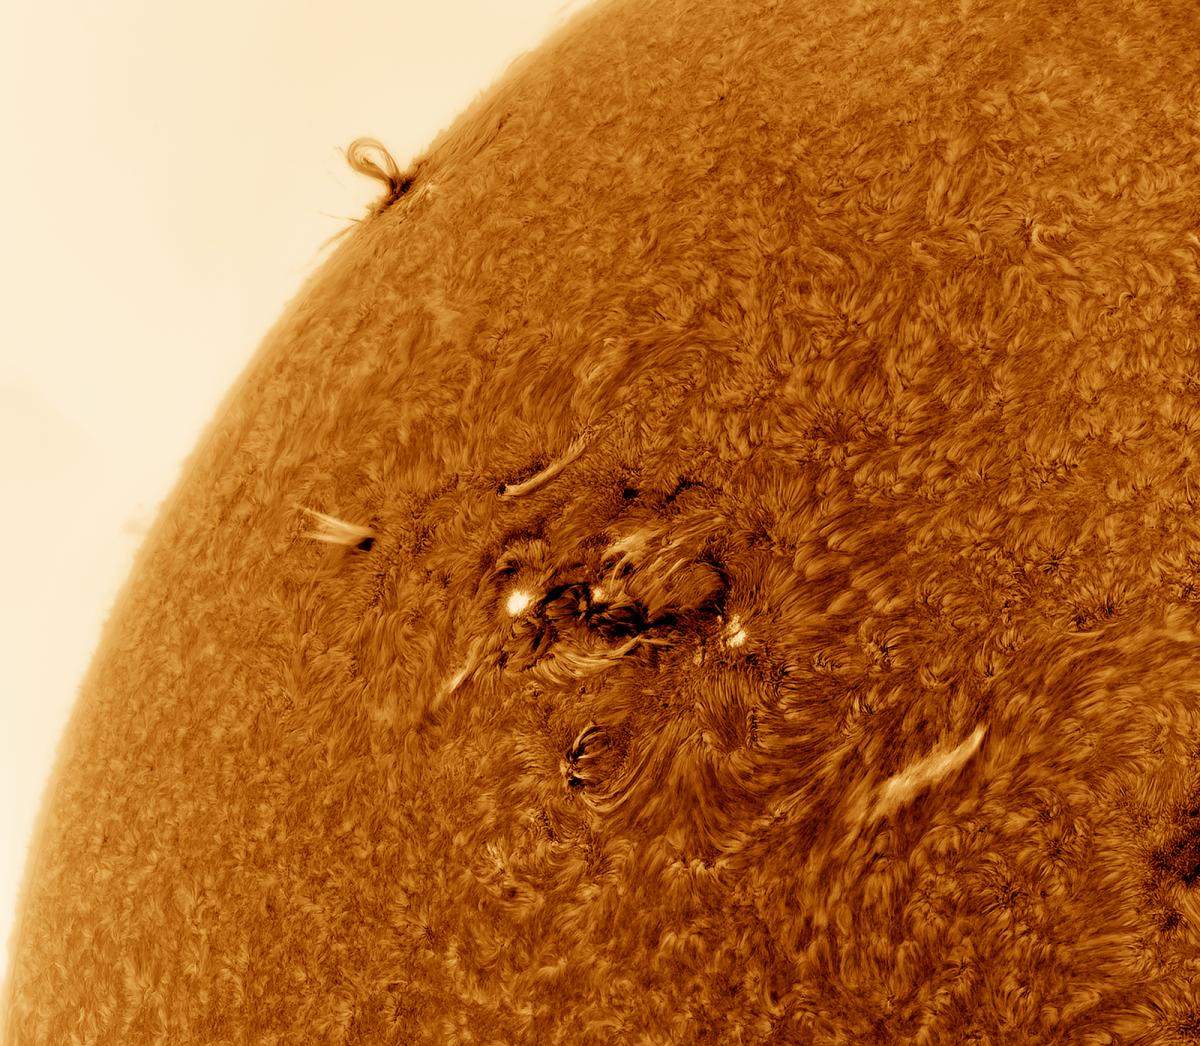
[[737, 633], [518, 600]]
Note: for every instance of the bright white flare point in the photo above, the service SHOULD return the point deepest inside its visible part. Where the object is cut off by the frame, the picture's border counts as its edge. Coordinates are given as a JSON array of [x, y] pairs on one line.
[[597, 593], [737, 633], [518, 600]]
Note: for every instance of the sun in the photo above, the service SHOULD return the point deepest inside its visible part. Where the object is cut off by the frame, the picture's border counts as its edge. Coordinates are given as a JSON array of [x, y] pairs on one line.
[[518, 600]]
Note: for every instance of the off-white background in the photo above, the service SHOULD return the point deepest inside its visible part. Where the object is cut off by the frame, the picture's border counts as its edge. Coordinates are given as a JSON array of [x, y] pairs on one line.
[[170, 170]]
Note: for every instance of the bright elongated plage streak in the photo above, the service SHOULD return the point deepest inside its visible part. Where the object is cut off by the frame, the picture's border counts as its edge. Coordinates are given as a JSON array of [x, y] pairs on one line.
[[927, 771], [724, 568]]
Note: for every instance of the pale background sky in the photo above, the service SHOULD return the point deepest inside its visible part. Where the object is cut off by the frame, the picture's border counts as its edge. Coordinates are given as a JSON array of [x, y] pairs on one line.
[[170, 170]]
